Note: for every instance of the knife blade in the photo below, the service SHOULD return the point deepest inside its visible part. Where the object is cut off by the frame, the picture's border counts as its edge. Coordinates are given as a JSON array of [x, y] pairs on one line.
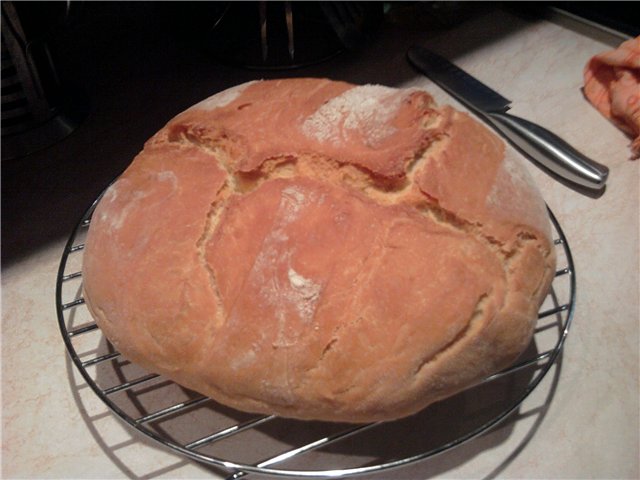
[[535, 141]]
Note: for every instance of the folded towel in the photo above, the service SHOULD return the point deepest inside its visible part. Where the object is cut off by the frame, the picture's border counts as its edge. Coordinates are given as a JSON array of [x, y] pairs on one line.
[[612, 85]]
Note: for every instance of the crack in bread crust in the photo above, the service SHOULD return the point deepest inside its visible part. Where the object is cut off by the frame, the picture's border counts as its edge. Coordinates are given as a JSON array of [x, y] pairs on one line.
[[361, 278], [384, 191], [380, 189], [472, 325], [409, 187], [213, 219]]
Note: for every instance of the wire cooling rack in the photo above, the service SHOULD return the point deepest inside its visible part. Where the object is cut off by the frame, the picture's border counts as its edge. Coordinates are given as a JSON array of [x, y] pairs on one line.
[[205, 431]]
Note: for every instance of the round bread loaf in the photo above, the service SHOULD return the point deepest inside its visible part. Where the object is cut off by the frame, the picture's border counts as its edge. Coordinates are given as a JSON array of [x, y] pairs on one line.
[[319, 250]]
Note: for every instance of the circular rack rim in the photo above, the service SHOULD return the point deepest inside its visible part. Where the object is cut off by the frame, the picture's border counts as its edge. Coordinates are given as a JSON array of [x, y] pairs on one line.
[[240, 469]]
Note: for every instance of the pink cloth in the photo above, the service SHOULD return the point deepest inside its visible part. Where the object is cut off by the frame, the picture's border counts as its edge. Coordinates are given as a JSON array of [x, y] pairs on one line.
[[612, 85]]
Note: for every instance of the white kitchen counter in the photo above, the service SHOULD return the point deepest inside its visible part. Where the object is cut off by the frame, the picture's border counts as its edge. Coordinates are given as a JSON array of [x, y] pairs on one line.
[[583, 419]]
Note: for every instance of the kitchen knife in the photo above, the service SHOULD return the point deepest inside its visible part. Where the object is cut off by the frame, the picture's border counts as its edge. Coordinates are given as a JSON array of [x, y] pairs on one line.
[[535, 141]]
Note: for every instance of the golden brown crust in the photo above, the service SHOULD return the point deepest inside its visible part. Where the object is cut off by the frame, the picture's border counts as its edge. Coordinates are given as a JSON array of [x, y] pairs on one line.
[[320, 251]]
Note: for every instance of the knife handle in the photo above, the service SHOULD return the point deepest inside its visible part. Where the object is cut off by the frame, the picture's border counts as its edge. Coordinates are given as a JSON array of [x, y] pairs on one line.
[[550, 150]]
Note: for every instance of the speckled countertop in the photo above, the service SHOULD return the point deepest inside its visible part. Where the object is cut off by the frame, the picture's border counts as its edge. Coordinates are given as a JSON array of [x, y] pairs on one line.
[[581, 422]]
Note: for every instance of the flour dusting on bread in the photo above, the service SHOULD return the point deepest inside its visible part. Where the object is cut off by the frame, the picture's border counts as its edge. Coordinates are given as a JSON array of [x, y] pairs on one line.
[[222, 99], [365, 111], [281, 286], [304, 294]]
